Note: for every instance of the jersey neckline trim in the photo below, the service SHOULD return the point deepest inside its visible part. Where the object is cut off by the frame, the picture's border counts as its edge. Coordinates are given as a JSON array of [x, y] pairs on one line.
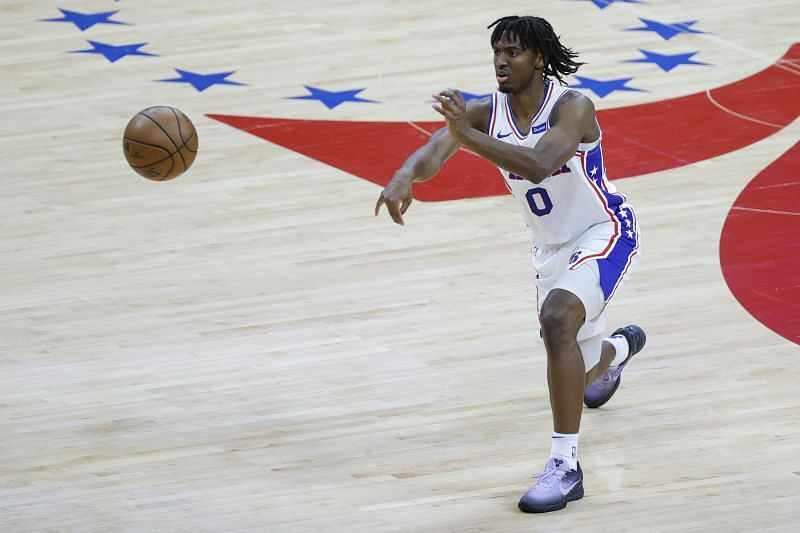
[[510, 114]]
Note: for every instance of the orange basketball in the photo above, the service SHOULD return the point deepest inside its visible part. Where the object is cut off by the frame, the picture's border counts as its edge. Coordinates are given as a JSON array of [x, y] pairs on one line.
[[160, 143]]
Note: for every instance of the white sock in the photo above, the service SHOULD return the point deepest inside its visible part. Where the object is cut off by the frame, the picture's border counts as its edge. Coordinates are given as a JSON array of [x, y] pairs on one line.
[[565, 446], [620, 344]]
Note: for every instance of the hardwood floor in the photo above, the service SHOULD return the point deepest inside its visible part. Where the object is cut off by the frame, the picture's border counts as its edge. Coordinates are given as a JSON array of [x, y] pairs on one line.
[[247, 348]]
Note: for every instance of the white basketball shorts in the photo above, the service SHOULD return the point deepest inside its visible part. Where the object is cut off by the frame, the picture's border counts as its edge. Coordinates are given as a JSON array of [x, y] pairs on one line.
[[593, 267]]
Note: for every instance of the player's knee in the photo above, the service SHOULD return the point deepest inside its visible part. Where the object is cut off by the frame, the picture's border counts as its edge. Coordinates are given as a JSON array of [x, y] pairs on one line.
[[556, 323], [561, 316]]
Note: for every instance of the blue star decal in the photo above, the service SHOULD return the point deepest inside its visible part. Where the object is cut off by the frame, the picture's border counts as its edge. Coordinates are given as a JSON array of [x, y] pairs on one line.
[[201, 82], [667, 62], [84, 21], [667, 31], [332, 99], [114, 53], [603, 88], [602, 4]]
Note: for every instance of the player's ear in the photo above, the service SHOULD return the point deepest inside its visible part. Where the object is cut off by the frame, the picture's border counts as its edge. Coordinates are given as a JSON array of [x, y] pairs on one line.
[[538, 63]]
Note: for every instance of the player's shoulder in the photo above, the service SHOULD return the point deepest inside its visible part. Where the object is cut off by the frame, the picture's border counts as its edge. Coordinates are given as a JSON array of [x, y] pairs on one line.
[[572, 98], [574, 104]]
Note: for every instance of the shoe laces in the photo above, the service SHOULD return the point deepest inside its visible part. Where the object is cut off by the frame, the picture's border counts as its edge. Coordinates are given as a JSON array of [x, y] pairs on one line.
[[546, 478]]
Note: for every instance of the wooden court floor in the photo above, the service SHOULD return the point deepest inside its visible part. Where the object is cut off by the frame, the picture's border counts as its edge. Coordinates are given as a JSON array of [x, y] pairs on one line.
[[246, 348]]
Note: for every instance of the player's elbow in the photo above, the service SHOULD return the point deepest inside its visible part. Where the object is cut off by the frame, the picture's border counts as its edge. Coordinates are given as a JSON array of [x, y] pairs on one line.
[[538, 169]]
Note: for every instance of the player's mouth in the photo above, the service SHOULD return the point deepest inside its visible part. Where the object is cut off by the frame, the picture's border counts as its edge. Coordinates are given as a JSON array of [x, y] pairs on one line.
[[501, 77]]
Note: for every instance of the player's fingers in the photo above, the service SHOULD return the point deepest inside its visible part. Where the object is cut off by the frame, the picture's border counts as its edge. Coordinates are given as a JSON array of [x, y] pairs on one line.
[[405, 206], [446, 97], [450, 103], [381, 201], [445, 108], [394, 212], [453, 97]]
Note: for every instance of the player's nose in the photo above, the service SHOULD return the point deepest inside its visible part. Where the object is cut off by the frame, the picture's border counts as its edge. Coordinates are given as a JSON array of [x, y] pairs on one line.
[[500, 60]]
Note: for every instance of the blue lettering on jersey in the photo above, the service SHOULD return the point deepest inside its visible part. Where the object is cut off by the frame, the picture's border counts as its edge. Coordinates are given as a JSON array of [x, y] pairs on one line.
[[562, 170], [540, 128]]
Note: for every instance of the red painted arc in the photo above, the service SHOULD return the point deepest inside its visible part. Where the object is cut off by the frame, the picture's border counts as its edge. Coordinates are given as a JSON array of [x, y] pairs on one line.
[[637, 139], [760, 246]]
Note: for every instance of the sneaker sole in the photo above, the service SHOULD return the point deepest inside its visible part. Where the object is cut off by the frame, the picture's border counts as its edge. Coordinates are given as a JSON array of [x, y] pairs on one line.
[[548, 508], [613, 391]]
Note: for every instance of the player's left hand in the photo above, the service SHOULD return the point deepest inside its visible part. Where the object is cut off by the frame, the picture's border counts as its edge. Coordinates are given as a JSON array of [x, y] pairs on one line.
[[453, 108]]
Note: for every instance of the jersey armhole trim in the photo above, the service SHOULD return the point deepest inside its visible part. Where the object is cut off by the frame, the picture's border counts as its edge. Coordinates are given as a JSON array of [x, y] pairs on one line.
[[492, 114], [588, 147]]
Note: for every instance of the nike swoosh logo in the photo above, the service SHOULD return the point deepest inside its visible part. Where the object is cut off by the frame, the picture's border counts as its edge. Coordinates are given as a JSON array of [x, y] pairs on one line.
[[565, 492], [503, 135]]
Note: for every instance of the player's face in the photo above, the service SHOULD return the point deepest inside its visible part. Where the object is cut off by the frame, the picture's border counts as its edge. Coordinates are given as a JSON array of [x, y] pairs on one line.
[[514, 66]]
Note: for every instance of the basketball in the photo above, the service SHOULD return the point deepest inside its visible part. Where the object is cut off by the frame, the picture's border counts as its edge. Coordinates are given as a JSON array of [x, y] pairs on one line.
[[160, 143]]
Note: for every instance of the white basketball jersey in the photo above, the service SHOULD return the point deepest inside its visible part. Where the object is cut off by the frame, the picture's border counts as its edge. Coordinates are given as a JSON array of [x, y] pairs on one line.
[[576, 196]]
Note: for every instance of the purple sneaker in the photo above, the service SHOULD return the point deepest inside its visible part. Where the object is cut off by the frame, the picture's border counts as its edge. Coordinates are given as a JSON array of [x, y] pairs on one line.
[[603, 388], [557, 485]]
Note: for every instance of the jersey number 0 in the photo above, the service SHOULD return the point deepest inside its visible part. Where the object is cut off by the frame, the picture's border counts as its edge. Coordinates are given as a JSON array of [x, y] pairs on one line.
[[539, 202]]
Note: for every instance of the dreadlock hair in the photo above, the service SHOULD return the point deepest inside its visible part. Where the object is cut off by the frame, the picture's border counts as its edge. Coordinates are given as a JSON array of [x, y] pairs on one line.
[[536, 34]]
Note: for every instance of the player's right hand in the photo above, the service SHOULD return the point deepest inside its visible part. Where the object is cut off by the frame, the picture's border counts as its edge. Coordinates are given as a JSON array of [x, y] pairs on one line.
[[397, 197]]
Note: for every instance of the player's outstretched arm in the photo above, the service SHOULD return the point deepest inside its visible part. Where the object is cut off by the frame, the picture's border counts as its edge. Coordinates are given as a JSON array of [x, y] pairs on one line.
[[424, 163]]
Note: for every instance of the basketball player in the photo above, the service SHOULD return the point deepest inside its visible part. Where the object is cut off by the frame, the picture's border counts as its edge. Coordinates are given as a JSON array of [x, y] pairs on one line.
[[546, 141]]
